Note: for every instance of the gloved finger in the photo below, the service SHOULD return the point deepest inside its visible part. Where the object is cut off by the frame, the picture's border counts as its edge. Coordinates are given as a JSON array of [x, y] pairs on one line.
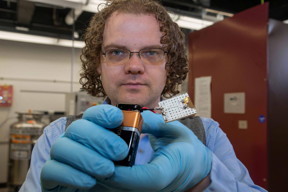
[[180, 161], [105, 115], [155, 176], [55, 175], [104, 141], [154, 124], [74, 154]]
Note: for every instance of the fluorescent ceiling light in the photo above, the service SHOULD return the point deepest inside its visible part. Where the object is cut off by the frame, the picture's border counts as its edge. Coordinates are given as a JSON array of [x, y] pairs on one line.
[[190, 22], [85, 5], [61, 3], [77, 1], [93, 6], [39, 39]]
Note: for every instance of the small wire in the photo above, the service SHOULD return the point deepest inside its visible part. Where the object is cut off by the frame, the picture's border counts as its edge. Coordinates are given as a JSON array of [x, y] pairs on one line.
[[152, 109]]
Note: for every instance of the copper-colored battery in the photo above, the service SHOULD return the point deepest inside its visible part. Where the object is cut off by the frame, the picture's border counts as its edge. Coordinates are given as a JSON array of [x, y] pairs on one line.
[[132, 119], [130, 131]]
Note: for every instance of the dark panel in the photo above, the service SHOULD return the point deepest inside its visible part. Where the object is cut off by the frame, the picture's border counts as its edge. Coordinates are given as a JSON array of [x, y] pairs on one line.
[[25, 12], [278, 106], [234, 53], [234, 6]]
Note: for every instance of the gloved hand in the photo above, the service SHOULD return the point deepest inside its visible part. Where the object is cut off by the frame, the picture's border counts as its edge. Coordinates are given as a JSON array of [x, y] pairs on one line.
[[180, 160], [85, 152]]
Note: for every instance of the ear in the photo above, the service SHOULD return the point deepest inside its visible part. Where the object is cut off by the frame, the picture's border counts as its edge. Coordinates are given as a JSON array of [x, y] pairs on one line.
[[99, 69]]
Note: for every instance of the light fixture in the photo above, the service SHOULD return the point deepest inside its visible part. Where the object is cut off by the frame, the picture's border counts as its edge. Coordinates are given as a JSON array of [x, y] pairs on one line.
[[90, 6], [12, 36], [85, 5], [77, 1], [77, 4], [190, 22]]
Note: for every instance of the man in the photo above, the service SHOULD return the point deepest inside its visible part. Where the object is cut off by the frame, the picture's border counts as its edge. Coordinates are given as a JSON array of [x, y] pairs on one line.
[[134, 54]]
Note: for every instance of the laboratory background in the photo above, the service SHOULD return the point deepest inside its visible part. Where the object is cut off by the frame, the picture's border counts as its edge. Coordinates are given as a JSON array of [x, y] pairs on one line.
[[238, 75]]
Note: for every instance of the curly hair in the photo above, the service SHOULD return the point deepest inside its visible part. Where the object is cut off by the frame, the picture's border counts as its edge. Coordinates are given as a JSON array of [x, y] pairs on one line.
[[172, 39]]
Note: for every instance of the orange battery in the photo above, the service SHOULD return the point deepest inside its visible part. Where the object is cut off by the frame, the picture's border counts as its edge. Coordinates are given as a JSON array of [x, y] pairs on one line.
[[130, 131], [132, 119]]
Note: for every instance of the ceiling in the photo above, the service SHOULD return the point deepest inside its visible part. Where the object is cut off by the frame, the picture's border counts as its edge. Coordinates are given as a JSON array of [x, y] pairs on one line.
[[49, 17]]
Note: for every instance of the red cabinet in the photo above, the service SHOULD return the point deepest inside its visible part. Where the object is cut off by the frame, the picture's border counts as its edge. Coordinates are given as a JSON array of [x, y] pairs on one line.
[[234, 53]]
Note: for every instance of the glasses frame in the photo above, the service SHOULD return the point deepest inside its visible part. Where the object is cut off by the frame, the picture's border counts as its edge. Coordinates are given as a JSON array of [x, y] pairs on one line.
[[104, 53]]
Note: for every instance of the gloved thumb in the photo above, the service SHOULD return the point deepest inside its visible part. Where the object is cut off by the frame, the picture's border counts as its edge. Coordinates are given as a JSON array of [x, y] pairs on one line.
[[155, 125]]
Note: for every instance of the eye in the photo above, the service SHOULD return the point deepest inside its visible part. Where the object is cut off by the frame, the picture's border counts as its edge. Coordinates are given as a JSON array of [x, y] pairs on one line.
[[151, 52], [116, 52]]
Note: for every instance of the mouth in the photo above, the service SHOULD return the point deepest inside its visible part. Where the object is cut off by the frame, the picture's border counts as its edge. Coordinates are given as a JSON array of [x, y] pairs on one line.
[[133, 85]]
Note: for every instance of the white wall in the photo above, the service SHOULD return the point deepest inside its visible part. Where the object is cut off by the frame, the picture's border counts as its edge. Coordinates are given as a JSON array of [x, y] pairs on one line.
[[40, 75]]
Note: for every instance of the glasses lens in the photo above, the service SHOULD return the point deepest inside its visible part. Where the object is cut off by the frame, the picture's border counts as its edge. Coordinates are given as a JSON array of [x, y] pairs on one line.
[[153, 56], [116, 56]]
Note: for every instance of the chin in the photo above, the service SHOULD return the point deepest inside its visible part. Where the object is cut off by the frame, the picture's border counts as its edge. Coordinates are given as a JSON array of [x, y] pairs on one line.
[[132, 100]]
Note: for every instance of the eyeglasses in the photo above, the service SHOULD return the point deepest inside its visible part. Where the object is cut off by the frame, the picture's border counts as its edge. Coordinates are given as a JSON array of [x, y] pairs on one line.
[[118, 56]]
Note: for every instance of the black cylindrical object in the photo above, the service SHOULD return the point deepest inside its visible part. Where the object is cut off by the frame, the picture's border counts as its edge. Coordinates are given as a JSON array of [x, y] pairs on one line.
[[130, 131]]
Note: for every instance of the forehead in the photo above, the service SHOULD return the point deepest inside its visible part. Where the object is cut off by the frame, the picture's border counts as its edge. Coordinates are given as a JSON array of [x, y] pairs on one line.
[[132, 29]]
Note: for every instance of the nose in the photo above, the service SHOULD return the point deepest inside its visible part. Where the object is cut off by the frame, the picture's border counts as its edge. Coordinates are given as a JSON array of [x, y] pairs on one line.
[[134, 65], [135, 53]]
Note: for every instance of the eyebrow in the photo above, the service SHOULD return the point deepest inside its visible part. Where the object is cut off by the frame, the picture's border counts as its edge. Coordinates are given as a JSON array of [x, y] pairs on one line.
[[124, 47]]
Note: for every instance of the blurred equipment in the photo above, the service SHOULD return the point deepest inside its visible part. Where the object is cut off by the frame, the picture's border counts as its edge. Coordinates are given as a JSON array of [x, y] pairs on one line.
[[54, 116], [6, 95], [23, 136], [78, 102]]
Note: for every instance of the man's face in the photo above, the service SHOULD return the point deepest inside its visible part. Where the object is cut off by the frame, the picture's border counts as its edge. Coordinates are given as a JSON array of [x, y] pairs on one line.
[[134, 81]]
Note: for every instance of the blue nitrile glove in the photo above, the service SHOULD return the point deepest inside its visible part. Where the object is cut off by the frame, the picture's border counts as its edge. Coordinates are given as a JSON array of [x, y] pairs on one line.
[[180, 160], [84, 154]]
